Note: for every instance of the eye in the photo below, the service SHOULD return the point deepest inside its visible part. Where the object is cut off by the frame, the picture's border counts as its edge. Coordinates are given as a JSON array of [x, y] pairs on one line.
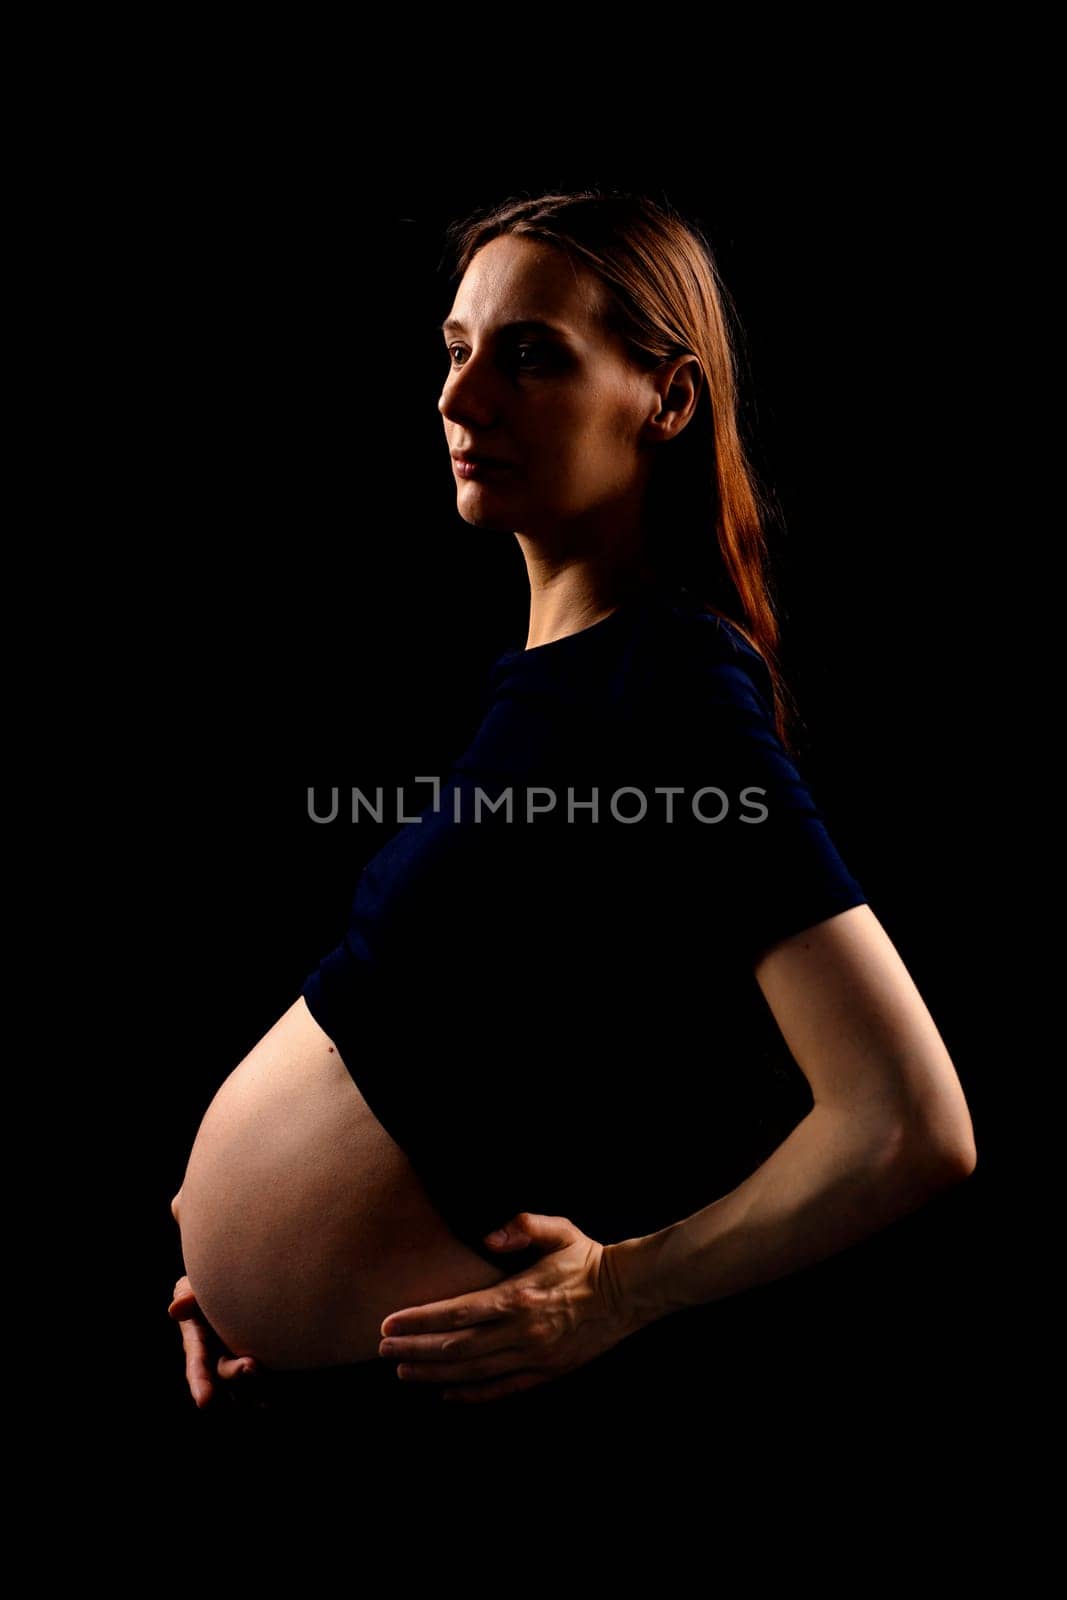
[[526, 355], [536, 355]]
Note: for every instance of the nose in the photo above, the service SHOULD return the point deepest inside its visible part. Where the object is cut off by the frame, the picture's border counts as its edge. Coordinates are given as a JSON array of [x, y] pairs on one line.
[[468, 398]]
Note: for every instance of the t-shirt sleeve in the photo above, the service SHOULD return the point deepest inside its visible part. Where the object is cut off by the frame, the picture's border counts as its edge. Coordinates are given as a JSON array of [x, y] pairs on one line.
[[755, 839]]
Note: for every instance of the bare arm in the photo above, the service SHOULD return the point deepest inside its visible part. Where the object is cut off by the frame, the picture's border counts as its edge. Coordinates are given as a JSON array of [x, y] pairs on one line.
[[889, 1127]]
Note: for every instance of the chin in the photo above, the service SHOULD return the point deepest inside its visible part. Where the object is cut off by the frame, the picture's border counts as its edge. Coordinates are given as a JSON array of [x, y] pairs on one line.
[[487, 517]]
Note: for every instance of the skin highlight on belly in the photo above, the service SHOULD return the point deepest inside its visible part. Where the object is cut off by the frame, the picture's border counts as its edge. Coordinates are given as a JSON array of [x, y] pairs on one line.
[[303, 1223]]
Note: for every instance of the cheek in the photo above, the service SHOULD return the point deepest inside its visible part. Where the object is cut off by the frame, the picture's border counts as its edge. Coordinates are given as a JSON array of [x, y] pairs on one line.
[[602, 449], [594, 435], [585, 440]]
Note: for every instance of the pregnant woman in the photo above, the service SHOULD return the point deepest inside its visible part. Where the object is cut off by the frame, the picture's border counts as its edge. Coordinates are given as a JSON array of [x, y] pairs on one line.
[[614, 985]]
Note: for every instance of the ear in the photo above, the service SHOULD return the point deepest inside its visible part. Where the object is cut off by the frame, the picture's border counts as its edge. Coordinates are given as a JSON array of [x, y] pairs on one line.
[[677, 386]]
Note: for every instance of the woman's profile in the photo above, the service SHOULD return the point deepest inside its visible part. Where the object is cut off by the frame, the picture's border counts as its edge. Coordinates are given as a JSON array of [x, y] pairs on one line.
[[551, 1009]]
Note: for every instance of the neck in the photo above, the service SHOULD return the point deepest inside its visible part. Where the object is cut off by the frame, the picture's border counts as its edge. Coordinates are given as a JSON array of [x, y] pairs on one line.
[[564, 598], [575, 581]]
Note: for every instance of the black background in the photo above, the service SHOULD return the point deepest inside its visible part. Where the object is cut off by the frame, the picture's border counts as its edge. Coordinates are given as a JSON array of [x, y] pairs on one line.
[[318, 614]]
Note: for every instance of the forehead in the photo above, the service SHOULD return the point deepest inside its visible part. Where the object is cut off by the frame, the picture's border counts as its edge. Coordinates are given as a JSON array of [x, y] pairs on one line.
[[512, 279]]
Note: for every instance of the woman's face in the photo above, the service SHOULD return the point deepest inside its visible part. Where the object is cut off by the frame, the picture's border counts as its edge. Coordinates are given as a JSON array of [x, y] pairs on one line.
[[563, 406]]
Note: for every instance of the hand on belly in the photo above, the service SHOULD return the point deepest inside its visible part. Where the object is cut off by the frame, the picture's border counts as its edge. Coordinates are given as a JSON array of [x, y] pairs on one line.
[[303, 1223]]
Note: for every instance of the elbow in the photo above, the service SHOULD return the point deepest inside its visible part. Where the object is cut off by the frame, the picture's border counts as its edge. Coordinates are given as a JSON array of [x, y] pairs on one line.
[[931, 1134], [950, 1166], [938, 1157]]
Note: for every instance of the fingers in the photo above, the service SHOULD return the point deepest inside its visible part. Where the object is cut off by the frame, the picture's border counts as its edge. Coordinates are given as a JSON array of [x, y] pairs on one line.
[[440, 1314], [448, 1346], [481, 1366], [236, 1366], [472, 1394], [200, 1344], [197, 1361], [183, 1302]]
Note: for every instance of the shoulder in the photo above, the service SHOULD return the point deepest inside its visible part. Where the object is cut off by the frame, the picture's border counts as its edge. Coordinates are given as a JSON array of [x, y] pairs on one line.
[[695, 652]]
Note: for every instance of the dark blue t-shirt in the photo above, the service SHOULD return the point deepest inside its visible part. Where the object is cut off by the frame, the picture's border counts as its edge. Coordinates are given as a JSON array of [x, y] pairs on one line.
[[545, 993]]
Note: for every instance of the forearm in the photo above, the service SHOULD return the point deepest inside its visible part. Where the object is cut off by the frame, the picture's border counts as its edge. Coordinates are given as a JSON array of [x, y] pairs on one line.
[[826, 1186]]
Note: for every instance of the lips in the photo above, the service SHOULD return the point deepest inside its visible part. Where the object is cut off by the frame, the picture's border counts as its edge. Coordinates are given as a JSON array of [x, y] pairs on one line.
[[478, 466]]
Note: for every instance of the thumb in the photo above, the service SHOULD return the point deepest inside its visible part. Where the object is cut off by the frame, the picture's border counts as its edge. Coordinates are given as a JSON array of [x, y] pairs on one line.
[[531, 1226]]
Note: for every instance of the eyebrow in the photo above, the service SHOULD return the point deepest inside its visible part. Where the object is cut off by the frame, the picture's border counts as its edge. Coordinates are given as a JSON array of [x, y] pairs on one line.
[[533, 324]]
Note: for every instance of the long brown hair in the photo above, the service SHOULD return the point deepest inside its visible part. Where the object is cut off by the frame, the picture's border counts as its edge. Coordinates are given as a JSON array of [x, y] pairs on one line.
[[707, 514]]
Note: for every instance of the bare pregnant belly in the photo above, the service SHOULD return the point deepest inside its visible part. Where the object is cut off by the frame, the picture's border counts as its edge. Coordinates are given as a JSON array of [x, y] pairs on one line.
[[303, 1223]]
